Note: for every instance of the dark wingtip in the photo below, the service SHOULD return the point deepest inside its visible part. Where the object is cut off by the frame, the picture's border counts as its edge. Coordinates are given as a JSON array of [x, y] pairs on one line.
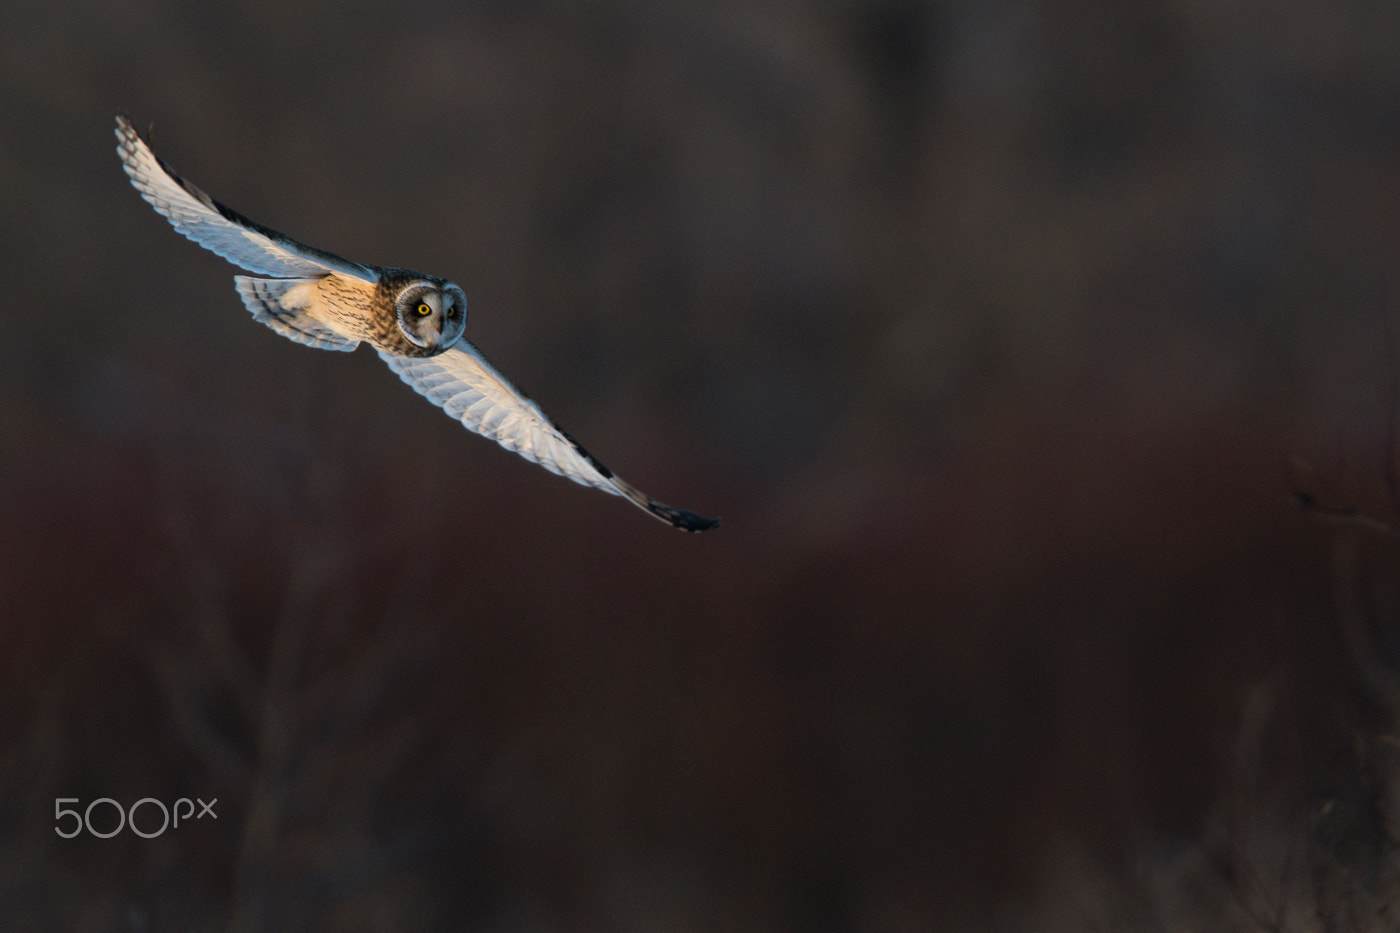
[[697, 523], [125, 131], [683, 519]]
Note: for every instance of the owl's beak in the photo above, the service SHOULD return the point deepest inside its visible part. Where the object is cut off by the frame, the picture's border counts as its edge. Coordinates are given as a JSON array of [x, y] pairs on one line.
[[443, 339]]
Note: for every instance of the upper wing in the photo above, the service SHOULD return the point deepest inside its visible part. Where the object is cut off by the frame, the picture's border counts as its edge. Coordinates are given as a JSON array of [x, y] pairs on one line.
[[468, 388], [216, 227]]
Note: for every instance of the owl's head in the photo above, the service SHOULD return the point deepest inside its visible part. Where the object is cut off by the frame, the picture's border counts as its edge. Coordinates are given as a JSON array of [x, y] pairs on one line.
[[431, 314]]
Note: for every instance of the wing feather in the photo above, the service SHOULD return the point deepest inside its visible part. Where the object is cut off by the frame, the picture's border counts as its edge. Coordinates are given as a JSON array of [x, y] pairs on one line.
[[471, 390], [218, 228]]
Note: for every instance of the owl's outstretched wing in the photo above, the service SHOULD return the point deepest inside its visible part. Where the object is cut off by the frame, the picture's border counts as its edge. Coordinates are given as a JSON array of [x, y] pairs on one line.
[[468, 388], [217, 228]]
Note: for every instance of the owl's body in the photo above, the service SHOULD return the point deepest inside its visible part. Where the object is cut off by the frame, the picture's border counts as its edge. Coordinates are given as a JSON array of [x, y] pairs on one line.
[[415, 321], [384, 313]]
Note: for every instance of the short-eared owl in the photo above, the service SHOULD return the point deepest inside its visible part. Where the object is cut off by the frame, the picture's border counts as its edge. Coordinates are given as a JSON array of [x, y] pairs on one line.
[[415, 321]]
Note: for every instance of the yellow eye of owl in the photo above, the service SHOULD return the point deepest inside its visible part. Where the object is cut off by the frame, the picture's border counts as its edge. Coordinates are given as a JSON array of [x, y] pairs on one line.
[[424, 310], [451, 310]]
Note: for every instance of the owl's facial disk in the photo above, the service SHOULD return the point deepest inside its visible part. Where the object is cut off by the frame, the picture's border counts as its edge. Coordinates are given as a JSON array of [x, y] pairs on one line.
[[431, 315]]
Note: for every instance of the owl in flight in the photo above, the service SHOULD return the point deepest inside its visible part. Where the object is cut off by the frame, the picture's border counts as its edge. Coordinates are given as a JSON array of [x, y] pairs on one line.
[[415, 321]]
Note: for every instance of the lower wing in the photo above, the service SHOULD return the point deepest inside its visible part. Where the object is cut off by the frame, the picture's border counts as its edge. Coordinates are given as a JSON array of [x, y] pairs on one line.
[[470, 389]]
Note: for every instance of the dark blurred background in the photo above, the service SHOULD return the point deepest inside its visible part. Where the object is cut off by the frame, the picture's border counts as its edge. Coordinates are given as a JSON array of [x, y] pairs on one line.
[[1003, 335]]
